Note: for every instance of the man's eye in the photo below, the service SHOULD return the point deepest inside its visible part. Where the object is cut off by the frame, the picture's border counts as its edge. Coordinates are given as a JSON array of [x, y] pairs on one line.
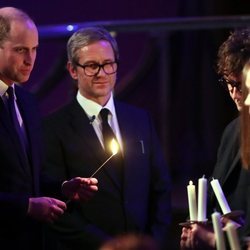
[[93, 66], [20, 50]]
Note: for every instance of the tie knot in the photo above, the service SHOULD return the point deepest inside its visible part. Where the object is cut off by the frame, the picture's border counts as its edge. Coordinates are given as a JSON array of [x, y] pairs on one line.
[[104, 114], [10, 92]]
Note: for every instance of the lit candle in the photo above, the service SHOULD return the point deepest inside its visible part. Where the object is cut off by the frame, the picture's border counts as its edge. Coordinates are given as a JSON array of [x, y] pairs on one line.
[[219, 236], [114, 148], [202, 199], [220, 196], [192, 201], [232, 235]]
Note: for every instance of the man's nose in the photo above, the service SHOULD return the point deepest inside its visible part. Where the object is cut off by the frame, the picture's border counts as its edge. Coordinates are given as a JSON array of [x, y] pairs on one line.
[[29, 57], [235, 92]]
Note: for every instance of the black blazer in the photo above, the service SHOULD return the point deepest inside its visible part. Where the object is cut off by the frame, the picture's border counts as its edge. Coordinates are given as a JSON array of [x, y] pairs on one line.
[[141, 203], [234, 180], [19, 175]]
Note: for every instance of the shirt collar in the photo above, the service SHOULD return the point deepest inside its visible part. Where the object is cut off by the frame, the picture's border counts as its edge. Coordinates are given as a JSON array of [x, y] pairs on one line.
[[110, 105], [4, 87], [92, 108]]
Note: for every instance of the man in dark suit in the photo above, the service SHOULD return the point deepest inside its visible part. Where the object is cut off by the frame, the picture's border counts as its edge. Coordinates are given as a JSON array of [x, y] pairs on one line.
[[133, 186], [233, 178], [21, 208]]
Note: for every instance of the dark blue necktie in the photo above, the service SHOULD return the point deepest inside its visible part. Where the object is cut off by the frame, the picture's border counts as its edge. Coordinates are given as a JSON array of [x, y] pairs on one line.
[[13, 115]]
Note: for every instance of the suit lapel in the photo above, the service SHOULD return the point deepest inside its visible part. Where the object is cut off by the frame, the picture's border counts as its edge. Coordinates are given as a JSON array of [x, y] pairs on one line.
[[127, 130], [9, 130], [83, 128], [81, 124]]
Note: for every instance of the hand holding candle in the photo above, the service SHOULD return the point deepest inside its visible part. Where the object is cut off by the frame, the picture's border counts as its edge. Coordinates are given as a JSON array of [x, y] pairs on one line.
[[114, 148], [220, 196], [192, 201], [202, 199]]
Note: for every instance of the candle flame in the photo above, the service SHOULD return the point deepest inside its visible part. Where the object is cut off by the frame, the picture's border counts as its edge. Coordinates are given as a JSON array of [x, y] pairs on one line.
[[114, 146]]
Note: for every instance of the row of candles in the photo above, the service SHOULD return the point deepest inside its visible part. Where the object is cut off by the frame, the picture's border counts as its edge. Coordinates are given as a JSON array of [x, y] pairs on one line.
[[200, 215]]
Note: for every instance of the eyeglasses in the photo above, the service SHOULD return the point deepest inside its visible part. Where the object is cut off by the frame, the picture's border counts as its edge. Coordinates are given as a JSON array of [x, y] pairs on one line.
[[233, 84], [93, 69]]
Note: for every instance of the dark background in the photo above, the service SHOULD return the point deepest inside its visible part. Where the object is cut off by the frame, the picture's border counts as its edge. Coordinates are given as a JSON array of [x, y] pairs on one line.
[[170, 73]]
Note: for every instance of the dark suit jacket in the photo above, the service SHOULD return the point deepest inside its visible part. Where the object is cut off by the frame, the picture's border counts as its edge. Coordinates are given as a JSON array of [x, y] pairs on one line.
[[19, 176], [141, 203], [234, 180]]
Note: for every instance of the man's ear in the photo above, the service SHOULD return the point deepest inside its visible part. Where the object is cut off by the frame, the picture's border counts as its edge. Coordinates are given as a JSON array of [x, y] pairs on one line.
[[72, 70]]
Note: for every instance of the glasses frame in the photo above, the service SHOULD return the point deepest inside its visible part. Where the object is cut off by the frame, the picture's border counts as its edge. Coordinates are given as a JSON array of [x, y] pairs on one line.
[[234, 84], [100, 66]]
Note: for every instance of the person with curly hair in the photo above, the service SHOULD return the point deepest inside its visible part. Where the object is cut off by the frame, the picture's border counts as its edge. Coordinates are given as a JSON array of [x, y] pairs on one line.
[[234, 179]]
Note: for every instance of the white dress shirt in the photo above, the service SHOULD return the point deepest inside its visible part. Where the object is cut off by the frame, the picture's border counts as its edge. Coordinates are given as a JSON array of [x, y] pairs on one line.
[[92, 109], [3, 94]]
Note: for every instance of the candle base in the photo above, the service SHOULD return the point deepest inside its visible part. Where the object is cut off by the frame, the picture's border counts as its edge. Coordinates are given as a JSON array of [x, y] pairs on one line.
[[236, 216], [188, 223], [233, 214]]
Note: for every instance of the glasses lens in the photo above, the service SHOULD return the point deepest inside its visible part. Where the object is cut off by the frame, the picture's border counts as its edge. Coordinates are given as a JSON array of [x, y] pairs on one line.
[[223, 83], [91, 69], [94, 68], [110, 68], [230, 84]]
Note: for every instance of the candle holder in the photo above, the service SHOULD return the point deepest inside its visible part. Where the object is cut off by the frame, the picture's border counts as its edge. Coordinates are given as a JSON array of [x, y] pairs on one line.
[[233, 214], [188, 223]]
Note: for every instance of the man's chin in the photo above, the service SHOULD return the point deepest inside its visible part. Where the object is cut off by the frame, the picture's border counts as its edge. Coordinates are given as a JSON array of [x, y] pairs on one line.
[[22, 80]]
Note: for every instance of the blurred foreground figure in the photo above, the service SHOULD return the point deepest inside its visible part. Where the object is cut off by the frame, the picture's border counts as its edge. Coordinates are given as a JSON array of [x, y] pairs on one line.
[[130, 242]]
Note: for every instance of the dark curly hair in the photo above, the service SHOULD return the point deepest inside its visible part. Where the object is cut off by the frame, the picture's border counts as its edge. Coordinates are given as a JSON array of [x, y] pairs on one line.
[[234, 53]]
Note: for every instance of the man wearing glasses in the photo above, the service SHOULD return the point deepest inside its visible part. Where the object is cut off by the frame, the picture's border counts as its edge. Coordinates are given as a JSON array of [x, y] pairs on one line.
[[133, 186], [234, 179]]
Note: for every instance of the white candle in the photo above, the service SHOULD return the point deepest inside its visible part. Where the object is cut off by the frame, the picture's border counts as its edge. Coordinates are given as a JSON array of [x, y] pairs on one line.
[[202, 199], [232, 236], [220, 196], [192, 201], [219, 236]]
